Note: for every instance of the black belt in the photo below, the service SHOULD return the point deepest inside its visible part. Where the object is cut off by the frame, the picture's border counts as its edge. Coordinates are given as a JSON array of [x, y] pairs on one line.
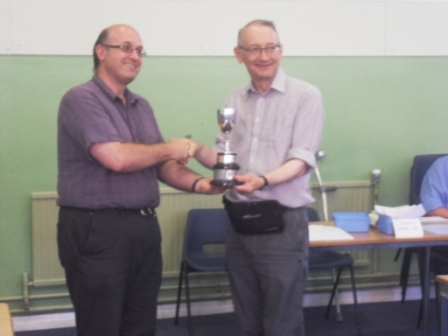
[[147, 211]]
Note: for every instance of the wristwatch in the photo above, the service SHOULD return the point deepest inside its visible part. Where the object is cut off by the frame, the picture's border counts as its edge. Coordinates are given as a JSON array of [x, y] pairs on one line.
[[266, 183]]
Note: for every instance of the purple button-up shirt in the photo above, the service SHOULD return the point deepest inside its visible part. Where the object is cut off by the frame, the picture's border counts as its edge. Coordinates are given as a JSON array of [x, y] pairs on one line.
[[92, 113]]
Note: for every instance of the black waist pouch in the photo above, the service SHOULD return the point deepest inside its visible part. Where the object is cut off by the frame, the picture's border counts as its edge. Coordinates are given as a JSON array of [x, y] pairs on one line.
[[250, 218]]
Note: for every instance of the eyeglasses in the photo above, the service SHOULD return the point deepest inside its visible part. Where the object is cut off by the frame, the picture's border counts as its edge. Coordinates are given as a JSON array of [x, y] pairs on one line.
[[256, 51], [127, 48]]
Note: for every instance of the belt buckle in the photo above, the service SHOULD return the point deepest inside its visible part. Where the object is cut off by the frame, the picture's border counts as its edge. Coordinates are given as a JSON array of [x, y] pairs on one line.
[[147, 212]]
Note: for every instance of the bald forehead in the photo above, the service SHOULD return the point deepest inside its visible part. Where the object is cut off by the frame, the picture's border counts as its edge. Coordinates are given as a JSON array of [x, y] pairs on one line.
[[256, 30], [122, 31], [121, 27]]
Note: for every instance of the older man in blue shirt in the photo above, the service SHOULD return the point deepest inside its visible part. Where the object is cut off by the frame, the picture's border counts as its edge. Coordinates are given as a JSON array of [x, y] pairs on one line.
[[278, 127], [434, 198], [434, 190]]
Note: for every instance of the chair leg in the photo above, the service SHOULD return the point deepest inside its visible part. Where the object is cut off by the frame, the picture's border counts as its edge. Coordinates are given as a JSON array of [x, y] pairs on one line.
[[397, 255], [187, 291], [404, 273], [355, 297], [333, 291], [179, 292], [420, 314], [421, 272], [339, 316], [355, 300], [437, 304]]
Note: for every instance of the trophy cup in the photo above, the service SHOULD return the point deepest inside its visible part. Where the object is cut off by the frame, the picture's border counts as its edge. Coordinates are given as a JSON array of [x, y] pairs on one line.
[[225, 168]]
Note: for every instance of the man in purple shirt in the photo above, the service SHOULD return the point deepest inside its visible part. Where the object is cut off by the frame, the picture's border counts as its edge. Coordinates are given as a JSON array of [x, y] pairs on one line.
[[110, 156]]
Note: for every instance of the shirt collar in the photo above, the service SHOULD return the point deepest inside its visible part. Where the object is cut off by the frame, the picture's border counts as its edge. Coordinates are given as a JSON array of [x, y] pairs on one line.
[[131, 97], [278, 84]]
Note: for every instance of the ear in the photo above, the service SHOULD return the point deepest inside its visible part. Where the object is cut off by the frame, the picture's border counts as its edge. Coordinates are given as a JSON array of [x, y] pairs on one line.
[[238, 55], [100, 51], [281, 49]]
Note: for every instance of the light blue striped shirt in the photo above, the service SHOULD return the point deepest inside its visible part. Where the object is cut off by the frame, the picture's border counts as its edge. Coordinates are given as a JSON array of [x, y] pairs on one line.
[[285, 123]]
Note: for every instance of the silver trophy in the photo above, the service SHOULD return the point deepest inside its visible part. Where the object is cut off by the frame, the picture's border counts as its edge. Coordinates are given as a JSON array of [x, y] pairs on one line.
[[225, 168]]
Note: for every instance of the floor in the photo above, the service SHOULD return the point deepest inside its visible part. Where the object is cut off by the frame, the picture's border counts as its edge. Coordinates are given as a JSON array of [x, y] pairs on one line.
[[377, 319]]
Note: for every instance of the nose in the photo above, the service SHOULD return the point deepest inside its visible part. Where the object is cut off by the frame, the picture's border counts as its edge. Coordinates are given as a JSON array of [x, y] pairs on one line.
[[135, 52], [135, 56], [263, 54]]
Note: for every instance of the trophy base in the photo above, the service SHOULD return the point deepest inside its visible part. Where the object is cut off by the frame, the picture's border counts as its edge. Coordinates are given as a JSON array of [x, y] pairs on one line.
[[225, 183]]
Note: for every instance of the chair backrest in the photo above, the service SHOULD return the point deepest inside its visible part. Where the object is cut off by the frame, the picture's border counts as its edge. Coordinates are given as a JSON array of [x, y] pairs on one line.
[[204, 226], [419, 168], [313, 216]]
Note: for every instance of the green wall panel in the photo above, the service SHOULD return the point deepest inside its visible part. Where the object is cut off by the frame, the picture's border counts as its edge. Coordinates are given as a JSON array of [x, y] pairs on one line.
[[381, 111]]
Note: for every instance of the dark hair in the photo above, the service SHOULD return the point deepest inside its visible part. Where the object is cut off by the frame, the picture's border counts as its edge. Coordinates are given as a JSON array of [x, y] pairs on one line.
[[266, 23], [100, 40]]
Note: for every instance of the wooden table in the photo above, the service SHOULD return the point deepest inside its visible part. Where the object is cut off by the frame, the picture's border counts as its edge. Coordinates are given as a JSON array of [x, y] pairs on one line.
[[374, 239], [5, 321], [442, 281]]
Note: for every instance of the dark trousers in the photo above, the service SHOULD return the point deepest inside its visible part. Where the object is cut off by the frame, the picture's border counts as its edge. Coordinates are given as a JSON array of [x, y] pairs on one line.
[[267, 276], [113, 268]]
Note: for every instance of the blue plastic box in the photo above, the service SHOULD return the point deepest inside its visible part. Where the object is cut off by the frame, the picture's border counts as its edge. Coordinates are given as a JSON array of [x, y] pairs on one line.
[[352, 221], [384, 225]]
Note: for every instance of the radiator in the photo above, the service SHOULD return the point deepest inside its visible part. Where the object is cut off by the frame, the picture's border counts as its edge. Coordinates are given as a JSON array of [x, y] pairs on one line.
[[44, 216], [172, 213]]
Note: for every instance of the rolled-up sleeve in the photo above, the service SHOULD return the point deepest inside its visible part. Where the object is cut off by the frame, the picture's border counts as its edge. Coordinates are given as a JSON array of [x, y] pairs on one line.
[[307, 129]]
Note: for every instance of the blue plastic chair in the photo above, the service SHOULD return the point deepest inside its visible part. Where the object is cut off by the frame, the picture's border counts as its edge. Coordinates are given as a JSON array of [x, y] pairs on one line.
[[204, 226], [329, 259]]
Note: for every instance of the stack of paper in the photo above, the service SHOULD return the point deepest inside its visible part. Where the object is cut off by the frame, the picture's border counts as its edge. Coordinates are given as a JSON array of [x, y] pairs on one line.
[[437, 225], [404, 211], [325, 232]]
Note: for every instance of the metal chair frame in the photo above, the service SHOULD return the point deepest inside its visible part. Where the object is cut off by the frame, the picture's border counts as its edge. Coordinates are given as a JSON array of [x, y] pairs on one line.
[[329, 259], [204, 226]]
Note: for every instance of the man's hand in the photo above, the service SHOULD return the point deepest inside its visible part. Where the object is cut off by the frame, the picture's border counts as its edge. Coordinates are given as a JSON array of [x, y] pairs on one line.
[[203, 186], [251, 182], [182, 149]]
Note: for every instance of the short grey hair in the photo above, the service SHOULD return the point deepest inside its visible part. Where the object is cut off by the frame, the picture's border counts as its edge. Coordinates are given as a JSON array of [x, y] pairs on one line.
[[265, 23]]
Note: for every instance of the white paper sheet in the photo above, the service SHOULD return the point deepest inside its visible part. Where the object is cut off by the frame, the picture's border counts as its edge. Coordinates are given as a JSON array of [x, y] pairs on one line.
[[436, 228], [325, 232], [407, 227], [404, 211], [433, 220]]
